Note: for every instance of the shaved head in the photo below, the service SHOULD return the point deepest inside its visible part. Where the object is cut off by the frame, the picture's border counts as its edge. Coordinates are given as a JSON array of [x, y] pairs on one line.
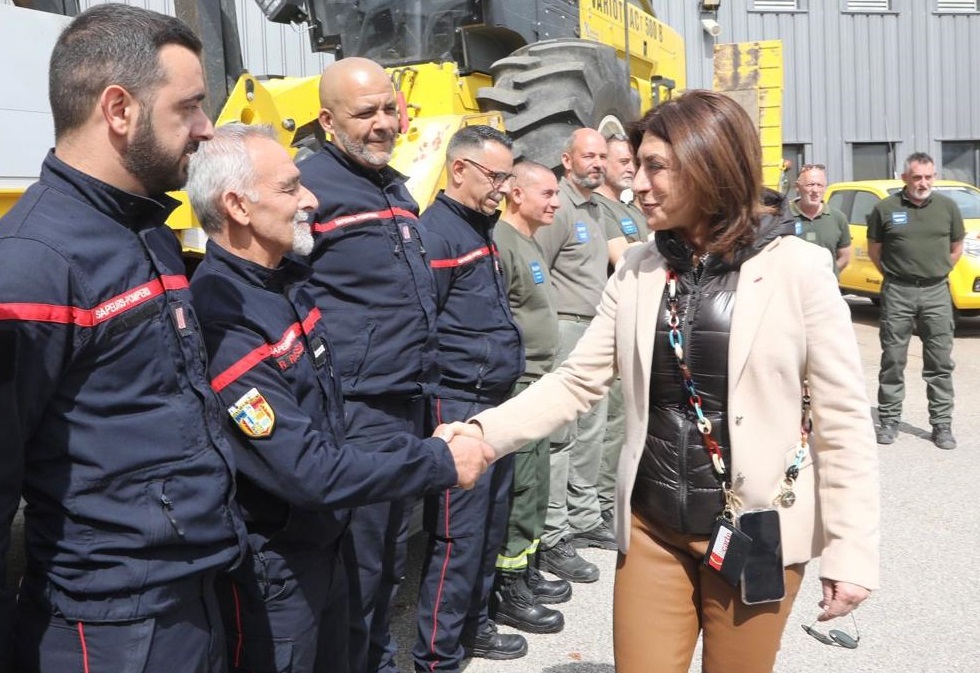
[[584, 159], [528, 173], [359, 110], [533, 198], [342, 78]]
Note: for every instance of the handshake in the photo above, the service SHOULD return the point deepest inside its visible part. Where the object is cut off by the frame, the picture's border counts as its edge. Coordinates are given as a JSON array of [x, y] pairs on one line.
[[470, 453]]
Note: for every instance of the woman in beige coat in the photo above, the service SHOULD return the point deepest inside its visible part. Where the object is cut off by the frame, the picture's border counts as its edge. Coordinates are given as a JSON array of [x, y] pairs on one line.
[[721, 318]]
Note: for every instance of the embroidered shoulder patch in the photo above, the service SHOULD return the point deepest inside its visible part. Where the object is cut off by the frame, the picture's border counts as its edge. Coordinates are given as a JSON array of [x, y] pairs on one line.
[[253, 415]]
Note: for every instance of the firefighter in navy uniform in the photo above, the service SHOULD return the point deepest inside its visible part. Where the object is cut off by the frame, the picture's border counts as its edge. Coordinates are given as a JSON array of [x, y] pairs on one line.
[[110, 429], [370, 275], [273, 368], [481, 356]]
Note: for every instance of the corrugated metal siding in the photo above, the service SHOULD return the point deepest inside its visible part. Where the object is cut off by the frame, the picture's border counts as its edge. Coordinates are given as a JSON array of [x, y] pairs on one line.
[[908, 76], [267, 48]]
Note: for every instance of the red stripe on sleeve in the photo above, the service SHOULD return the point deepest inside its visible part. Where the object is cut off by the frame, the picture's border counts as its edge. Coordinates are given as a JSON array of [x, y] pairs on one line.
[[357, 218], [257, 355], [461, 261], [90, 317]]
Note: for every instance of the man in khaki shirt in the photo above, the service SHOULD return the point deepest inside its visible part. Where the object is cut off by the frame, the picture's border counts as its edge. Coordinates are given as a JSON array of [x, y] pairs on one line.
[[576, 253]]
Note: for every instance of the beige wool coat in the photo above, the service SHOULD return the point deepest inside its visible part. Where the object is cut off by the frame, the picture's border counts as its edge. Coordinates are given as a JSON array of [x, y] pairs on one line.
[[789, 322]]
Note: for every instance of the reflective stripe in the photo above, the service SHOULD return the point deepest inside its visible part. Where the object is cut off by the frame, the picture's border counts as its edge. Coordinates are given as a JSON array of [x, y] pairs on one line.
[[90, 317], [357, 218], [237, 370], [465, 259], [518, 562]]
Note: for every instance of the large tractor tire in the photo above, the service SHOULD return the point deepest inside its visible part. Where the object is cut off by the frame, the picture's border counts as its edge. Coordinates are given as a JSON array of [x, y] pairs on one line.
[[548, 89]]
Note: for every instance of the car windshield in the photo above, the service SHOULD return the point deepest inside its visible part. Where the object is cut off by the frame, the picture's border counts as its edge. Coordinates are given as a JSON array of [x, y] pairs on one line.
[[967, 199]]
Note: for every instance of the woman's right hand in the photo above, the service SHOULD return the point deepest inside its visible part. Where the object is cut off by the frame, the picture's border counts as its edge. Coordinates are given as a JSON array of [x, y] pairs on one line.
[[839, 598]]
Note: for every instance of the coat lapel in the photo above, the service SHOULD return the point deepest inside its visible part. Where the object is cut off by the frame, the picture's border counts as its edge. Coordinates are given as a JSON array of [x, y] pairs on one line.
[[755, 285], [651, 278]]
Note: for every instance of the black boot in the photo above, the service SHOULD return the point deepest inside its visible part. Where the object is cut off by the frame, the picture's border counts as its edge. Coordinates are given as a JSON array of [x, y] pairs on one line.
[[490, 644], [547, 591], [515, 606]]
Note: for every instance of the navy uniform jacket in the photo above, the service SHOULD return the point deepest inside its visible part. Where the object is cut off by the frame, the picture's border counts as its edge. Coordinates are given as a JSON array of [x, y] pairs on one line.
[[106, 415], [481, 354], [273, 368], [371, 277]]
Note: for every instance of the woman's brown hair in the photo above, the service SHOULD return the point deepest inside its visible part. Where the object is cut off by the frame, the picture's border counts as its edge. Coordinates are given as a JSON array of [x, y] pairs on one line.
[[717, 161]]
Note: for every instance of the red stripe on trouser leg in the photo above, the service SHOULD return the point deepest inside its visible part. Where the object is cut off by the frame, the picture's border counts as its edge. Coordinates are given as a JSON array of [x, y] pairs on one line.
[[240, 643], [81, 638], [442, 583]]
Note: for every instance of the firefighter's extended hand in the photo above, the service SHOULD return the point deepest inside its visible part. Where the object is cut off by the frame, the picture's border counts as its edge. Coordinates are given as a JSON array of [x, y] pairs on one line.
[[471, 455]]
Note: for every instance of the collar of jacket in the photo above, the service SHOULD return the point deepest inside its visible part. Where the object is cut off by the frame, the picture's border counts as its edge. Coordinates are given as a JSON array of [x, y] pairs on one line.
[[278, 279], [679, 254], [382, 177], [474, 218], [130, 210]]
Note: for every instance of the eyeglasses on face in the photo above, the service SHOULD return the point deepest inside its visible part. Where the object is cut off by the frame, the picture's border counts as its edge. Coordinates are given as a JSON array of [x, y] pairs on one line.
[[497, 178], [834, 636]]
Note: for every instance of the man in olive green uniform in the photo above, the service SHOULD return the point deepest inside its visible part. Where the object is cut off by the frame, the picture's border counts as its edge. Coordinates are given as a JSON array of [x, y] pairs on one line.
[[625, 225], [522, 592], [576, 254], [914, 239], [816, 221]]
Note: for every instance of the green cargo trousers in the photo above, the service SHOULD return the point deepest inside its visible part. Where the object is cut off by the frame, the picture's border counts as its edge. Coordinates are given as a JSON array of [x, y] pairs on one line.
[[576, 453], [529, 502], [929, 310]]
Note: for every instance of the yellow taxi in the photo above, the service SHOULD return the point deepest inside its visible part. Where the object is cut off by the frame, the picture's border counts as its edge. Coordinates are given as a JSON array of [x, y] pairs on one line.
[[860, 277]]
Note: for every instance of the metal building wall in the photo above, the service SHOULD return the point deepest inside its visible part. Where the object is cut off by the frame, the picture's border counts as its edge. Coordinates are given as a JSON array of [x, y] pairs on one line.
[[267, 48], [908, 76]]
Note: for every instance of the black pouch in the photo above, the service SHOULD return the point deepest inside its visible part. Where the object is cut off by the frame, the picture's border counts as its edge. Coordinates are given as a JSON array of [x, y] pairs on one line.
[[763, 575], [727, 551]]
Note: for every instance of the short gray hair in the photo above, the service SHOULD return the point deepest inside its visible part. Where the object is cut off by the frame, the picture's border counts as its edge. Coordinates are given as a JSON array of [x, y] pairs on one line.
[[221, 165], [917, 158]]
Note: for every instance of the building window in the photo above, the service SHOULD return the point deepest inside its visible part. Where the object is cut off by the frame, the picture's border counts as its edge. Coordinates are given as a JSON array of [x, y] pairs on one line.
[[868, 5], [872, 161], [961, 161], [953, 6], [776, 5], [792, 160]]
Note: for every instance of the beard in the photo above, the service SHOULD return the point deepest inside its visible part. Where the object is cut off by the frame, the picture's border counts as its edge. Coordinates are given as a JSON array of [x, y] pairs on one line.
[[302, 236], [359, 150], [587, 180], [623, 183], [156, 168]]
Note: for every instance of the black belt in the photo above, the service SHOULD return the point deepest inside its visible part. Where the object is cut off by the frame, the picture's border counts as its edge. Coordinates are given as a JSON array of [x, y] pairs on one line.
[[575, 317], [915, 282]]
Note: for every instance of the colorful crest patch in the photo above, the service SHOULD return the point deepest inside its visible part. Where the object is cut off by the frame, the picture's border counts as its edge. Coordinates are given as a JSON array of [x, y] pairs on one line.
[[253, 414]]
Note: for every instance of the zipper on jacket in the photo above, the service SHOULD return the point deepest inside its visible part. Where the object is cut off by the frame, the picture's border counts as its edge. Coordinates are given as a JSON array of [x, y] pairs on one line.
[[168, 509], [693, 300]]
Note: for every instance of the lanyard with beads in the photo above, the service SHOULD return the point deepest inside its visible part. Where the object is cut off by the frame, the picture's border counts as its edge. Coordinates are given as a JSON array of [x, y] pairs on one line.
[[733, 504]]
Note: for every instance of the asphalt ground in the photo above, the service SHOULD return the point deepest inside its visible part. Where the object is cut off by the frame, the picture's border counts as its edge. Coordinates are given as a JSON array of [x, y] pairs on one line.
[[924, 618]]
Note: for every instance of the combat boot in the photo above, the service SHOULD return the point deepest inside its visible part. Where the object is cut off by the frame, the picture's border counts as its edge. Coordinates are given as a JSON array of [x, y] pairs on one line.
[[491, 644], [515, 606], [548, 591]]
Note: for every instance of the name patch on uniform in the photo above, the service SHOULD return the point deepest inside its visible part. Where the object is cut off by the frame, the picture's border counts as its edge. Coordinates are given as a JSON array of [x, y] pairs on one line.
[[319, 352], [900, 218], [628, 226], [253, 415], [536, 273], [798, 227], [581, 232]]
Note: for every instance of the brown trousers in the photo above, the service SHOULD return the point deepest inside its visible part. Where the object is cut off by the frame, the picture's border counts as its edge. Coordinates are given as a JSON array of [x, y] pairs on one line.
[[664, 597]]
